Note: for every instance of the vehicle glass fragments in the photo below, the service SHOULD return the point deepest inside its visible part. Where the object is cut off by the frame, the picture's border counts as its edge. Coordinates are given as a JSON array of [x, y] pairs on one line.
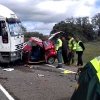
[[29, 43], [46, 43], [15, 29]]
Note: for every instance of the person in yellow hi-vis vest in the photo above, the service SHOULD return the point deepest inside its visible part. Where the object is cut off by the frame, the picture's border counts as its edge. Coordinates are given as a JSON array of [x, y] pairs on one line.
[[79, 51], [71, 49], [88, 84], [59, 51]]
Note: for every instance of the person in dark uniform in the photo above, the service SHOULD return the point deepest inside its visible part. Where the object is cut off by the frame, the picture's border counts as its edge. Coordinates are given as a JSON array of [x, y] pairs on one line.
[[64, 50], [88, 84], [79, 51]]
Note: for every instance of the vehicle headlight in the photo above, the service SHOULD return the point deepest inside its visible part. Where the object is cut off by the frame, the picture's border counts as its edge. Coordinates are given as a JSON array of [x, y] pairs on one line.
[[13, 54]]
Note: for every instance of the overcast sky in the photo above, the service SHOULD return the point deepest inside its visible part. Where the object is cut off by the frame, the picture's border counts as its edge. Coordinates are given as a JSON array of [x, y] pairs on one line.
[[41, 15]]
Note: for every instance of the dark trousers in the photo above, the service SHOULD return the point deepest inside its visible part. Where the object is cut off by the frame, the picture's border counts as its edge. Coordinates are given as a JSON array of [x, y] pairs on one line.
[[71, 56], [65, 56], [80, 62], [59, 57]]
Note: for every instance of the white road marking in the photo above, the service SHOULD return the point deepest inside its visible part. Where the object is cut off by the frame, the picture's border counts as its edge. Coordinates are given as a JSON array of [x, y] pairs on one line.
[[50, 65], [6, 93], [63, 69]]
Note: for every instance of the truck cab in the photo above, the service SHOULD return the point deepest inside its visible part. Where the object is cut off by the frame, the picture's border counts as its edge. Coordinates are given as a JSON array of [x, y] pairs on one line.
[[11, 36]]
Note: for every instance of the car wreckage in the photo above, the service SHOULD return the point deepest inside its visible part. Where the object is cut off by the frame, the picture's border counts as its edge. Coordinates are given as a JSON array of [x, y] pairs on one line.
[[36, 51]]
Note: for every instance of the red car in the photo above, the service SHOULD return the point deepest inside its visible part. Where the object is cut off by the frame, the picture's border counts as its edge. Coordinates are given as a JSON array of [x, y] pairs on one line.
[[36, 50]]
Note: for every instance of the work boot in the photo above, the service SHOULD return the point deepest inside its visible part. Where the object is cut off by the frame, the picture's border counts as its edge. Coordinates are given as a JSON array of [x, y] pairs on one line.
[[59, 67]]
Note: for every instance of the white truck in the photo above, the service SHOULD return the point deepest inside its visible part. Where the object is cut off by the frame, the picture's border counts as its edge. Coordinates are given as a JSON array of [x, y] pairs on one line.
[[11, 36]]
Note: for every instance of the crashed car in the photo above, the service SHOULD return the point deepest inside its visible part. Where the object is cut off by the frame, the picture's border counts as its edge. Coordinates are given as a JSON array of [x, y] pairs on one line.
[[36, 51]]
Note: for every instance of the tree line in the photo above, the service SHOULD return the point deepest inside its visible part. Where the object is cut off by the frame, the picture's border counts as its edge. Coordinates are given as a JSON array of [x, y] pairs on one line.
[[84, 27], [27, 35]]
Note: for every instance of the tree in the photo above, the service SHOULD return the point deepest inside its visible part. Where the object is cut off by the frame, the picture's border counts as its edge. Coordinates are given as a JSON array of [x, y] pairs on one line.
[[23, 29], [78, 21], [87, 28], [28, 35], [96, 23], [80, 27]]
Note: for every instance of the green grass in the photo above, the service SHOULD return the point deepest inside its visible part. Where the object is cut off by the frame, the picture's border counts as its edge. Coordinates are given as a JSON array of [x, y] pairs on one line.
[[92, 49]]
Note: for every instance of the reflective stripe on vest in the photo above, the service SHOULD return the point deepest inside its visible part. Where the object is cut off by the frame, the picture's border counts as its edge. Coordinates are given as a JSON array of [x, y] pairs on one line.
[[98, 75], [78, 47], [70, 44], [59, 44], [74, 48], [96, 63]]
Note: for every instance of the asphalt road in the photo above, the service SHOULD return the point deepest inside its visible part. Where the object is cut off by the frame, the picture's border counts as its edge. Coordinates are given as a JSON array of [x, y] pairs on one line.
[[26, 83], [2, 96]]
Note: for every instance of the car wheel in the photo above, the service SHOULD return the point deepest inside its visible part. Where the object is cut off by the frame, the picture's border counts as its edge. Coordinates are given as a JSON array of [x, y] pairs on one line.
[[51, 60]]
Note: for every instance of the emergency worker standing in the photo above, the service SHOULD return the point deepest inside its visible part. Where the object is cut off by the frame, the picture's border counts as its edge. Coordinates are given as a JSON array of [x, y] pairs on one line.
[[79, 51], [59, 51], [71, 49], [88, 85], [64, 50]]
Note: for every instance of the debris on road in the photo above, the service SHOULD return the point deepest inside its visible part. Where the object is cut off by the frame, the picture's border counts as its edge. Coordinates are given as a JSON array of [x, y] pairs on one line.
[[25, 65], [41, 75], [8, 69], [31, 66], [67, 72], [31, 83], [36, 66]]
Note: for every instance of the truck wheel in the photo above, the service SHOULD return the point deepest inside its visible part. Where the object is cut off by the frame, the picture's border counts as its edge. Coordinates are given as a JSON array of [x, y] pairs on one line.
[[51, 60]]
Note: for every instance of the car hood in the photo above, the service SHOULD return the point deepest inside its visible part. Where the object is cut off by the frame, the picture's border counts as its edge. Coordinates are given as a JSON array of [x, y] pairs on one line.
[[52, 36]]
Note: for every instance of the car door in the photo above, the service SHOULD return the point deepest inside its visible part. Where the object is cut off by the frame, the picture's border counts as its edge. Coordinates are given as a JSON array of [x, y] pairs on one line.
[[28, 45], [49, 48]]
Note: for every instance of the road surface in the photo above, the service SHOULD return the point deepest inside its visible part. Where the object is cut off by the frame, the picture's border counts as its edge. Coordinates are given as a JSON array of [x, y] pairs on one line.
[[38, 82]]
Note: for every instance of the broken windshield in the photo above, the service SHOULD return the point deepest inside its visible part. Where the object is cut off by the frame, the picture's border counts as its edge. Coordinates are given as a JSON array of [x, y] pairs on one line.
[[15, 29]]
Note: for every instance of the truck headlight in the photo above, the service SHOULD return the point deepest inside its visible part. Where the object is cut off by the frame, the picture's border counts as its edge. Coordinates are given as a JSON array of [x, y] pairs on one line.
[[13, 54]]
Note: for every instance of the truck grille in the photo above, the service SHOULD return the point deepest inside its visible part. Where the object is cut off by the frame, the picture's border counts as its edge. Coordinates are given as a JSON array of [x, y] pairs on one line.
[[19, 46]]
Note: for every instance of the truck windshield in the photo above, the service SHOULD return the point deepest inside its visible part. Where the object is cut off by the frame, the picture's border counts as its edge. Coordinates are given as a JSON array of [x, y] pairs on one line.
[[15, 29]]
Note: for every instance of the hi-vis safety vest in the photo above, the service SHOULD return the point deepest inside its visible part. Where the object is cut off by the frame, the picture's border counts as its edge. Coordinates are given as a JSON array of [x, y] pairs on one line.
[[98, 75], [96, 63], [70, 44], [88, 87], [78, 47], [58, 44]]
